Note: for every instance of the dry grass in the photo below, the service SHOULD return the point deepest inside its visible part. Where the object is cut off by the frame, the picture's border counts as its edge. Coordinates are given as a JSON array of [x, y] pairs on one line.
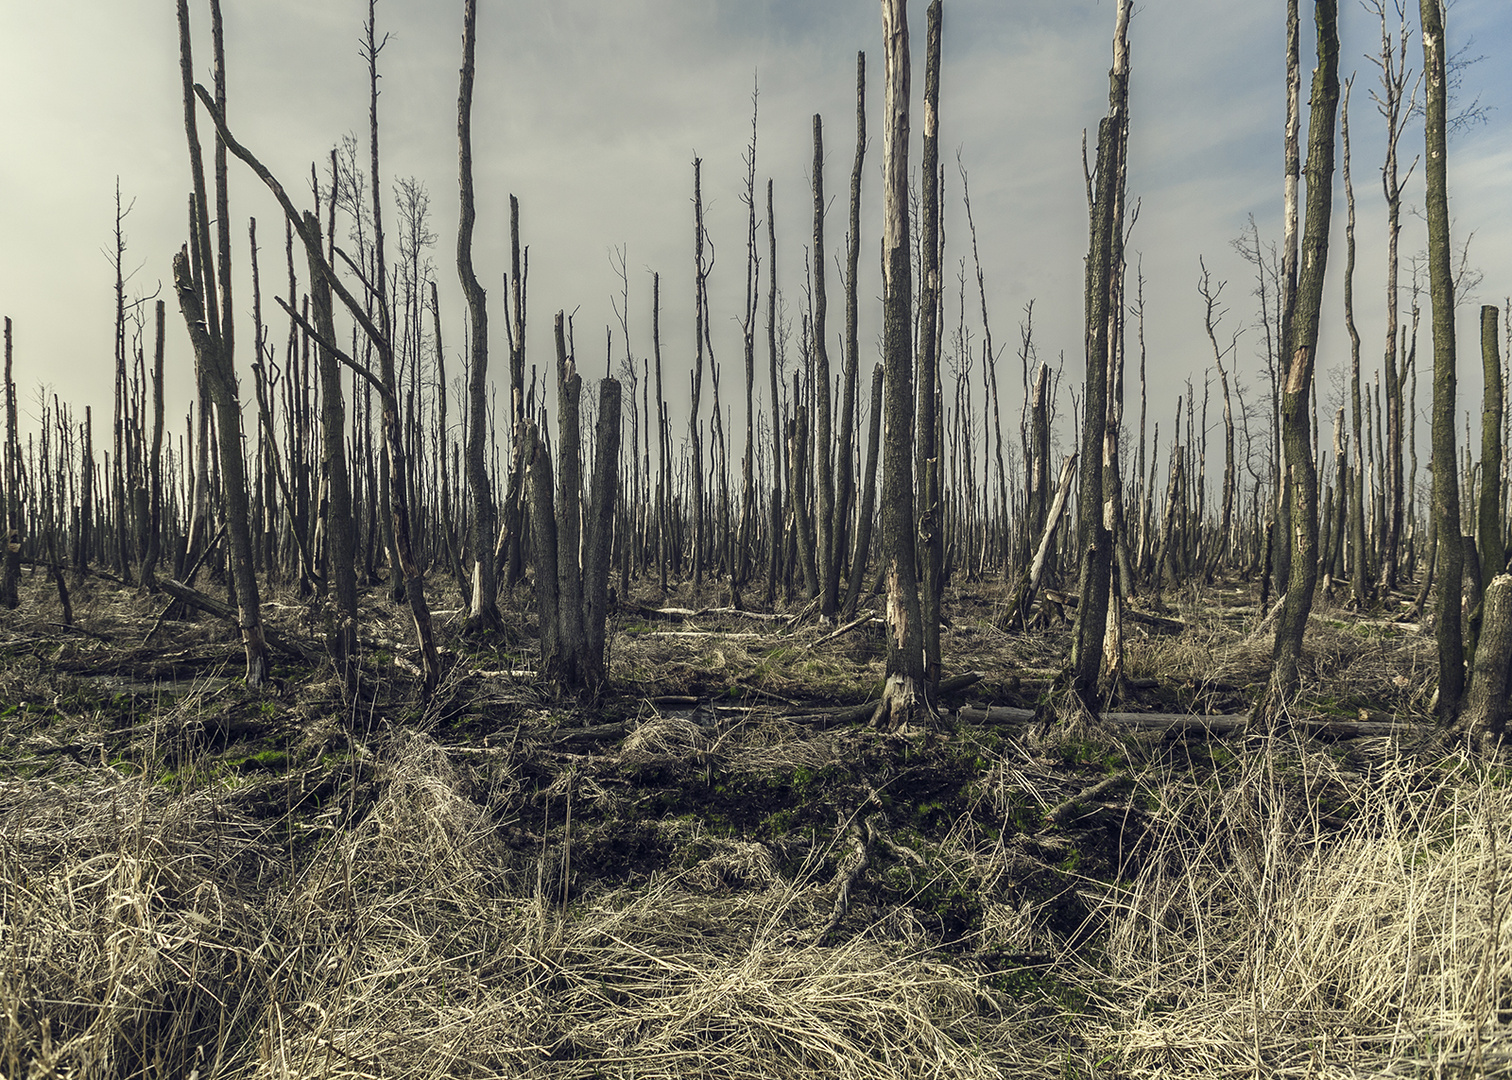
[[153, 936], [1265, 936]]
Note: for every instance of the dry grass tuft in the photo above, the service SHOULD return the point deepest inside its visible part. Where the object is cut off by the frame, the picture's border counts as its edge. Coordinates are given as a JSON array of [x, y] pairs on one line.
[[1266, 936]]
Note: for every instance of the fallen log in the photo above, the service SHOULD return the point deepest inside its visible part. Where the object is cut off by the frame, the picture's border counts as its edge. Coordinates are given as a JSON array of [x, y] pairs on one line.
[[1221, 724], [221, 610]]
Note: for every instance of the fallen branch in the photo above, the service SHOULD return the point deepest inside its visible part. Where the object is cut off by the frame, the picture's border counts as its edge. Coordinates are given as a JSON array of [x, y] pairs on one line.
[[194, 598], [1106, 784], [1221, 724]]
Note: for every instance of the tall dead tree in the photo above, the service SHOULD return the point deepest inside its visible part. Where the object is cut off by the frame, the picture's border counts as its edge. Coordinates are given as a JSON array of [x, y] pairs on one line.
[[1281, 543], [1395, 105], [483, 612], [10, 559], [1489, 509], [1446, 502], [1300, 466], [206, 303], [931, 541], [823, 409], [1361, 581], [904, 695], [1102, 303], [845, 482]]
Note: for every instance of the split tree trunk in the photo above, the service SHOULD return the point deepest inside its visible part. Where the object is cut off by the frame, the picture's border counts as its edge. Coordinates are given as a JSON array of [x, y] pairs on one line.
[[1302, 473]]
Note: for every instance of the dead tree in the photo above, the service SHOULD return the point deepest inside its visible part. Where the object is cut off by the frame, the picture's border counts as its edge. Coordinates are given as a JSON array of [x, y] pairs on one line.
[[10, 561], [483, 611], [1489, 511], [206, 303], [1102, 301], [931, 544], [1446, 500], [904, 695], [1301, 468]]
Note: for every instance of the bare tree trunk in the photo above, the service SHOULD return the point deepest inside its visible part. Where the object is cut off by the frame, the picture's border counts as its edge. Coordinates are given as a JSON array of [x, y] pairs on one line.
[[1094, 540], [213, 341], [605, 485], [1361, 579], [1302, 486], [699, 284], [483, 612], [823, 409], [931, 544], [904, 696], [1485, 714], [775, 566], [10, 568], [1489, 534], [1446, 501], [573, 641], [868, 498], [845, 482], [341, 528]]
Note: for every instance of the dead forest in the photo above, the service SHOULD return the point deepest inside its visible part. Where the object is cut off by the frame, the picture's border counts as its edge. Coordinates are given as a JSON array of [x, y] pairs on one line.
[[415, 705]]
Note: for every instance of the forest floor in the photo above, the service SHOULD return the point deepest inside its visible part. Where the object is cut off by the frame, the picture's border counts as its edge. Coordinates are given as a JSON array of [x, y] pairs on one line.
[[706, 875]]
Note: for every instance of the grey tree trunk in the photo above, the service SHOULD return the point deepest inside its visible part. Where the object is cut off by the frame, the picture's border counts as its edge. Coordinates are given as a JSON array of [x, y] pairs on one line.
[[1094, 539], [903, 697], [483, 611], [1302, 473], [340, 527], [602, 493], [1361, 577], [1446, 501], [1485, 714], [931, 544], [823, 409], [1489, 537], [213, 340], [10, 565]]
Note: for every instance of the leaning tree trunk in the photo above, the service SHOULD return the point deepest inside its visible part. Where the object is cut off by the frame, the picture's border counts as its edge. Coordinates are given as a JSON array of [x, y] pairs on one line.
[[483, 613], [903, 697], [1446, 502], [1302, 486]]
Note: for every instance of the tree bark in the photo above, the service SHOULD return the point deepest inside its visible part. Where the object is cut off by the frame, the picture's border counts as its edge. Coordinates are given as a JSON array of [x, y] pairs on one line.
[[903, 698], [483, 612], [1302, 486], [1094, 539], [1446, 501], [1485, 713], [931, 543], [1489, 537]]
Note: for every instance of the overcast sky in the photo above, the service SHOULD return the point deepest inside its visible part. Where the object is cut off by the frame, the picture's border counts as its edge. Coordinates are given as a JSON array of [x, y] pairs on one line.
[[591, 112]]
